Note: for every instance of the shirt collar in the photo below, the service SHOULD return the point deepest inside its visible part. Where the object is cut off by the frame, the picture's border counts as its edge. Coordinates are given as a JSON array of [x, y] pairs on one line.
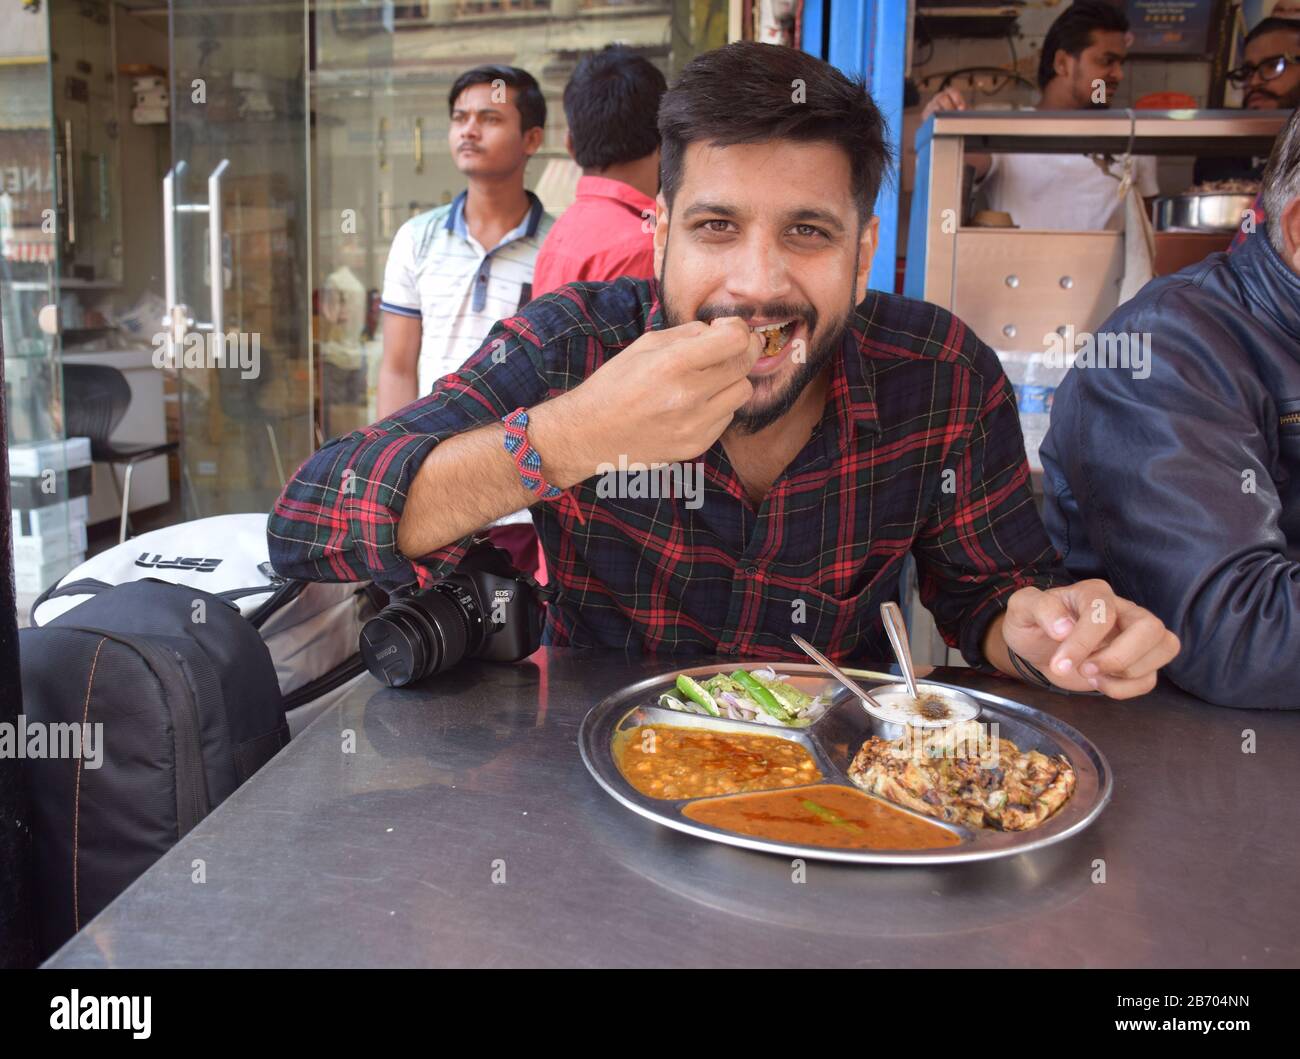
[[528, 227], [852, 390], [599, 187]]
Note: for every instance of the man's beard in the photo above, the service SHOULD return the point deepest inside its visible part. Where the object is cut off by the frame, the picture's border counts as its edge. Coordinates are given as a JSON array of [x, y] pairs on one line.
[[817, 357], [821, 354], [1287, 101]]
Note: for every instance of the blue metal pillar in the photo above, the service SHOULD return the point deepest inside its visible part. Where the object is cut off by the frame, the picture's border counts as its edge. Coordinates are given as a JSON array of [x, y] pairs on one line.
[[814, 18], [868, 38]]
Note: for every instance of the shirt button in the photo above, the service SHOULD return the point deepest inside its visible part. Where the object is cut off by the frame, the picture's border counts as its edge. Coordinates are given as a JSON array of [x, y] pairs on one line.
[[733, 651], [751, 570]]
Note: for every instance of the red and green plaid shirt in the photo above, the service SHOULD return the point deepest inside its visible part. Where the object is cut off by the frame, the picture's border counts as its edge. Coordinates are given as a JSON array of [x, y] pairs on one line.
[[919, 451]]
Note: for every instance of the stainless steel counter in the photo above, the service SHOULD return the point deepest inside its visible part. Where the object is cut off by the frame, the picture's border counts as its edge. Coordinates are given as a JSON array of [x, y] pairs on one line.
[[456, 825]]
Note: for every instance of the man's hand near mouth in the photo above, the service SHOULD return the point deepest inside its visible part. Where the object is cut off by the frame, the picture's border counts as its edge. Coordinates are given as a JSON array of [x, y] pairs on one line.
[[666, 397]]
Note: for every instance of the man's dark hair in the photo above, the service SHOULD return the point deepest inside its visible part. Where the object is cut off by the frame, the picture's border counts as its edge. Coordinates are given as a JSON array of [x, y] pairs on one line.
[[748, 92], [1272, 25], [528, 100], [1072, 32], [611, 102], [1281, 183]]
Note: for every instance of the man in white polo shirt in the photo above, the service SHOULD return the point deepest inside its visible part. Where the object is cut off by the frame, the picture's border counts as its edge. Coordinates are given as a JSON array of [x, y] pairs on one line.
[[456, 270]]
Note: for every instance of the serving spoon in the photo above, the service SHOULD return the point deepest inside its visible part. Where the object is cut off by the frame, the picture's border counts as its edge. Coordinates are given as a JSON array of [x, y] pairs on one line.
[[897, 632], [836, 672]]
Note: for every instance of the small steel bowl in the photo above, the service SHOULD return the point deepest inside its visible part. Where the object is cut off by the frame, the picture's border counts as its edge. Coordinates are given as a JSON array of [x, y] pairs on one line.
[[1202, 212], [894, 723]]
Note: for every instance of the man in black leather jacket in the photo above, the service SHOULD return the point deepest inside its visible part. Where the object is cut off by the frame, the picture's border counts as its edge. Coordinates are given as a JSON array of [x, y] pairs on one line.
[[1180, 482]]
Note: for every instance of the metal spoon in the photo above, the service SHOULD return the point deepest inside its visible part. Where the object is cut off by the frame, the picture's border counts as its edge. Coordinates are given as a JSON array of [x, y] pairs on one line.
[[836, 672], [897, 631]]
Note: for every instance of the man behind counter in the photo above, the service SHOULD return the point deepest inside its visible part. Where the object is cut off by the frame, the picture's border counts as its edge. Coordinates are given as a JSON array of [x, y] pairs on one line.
[[1081, 67], [1269, 76], [820, 432], [1183, 486], [1270, 71]]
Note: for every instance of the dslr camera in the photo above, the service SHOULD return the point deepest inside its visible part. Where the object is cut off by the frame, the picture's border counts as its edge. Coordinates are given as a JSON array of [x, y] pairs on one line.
[[486, 609]]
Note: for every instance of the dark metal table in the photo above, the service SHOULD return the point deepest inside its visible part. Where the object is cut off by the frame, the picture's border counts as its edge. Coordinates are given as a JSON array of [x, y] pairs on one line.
[[456, 825]]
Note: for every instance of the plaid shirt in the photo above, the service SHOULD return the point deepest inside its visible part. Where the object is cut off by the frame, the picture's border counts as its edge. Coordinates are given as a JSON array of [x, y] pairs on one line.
[[919, 450]]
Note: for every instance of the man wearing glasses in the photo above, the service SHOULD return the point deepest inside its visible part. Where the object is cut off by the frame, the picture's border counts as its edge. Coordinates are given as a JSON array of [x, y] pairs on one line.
[[1270, 72], [1270, 77]]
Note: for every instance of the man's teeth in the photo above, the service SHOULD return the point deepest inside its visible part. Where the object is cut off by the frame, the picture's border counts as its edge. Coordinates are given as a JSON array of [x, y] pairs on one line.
[[775, 336]]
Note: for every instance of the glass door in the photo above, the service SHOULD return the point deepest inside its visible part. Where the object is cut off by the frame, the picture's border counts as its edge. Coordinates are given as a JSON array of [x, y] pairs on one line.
[[87, 137], [380, 78], [235, 244], [35, 187]]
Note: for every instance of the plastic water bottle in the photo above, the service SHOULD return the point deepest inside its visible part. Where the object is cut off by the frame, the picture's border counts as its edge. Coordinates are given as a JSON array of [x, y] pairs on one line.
[[1034, 381]]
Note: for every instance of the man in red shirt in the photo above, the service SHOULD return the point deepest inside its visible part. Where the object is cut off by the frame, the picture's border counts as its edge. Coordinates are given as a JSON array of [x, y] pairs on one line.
[[611, 104]]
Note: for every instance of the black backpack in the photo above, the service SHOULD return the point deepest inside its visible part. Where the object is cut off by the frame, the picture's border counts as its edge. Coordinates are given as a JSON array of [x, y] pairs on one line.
[[187, 696]]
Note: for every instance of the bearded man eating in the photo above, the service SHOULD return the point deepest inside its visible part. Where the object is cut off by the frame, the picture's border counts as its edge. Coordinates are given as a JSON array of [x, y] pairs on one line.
[[837, 430]]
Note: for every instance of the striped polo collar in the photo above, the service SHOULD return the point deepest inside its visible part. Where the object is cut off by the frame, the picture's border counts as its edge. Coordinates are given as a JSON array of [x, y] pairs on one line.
[[455, 222]]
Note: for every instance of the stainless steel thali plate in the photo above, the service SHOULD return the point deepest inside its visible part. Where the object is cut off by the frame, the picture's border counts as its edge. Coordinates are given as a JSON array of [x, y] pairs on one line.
[[833, 740]]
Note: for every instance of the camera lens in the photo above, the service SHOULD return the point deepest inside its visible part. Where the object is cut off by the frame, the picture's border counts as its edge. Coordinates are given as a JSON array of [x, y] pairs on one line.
[[421, 635]]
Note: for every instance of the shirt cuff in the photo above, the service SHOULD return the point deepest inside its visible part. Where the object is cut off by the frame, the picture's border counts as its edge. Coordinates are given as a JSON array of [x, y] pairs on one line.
[[977, 624], [377, 482]]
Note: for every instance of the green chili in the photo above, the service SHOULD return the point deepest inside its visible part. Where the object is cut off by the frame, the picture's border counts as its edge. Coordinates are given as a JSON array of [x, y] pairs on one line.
[[696, 692], [761, 695], [830, 816]]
